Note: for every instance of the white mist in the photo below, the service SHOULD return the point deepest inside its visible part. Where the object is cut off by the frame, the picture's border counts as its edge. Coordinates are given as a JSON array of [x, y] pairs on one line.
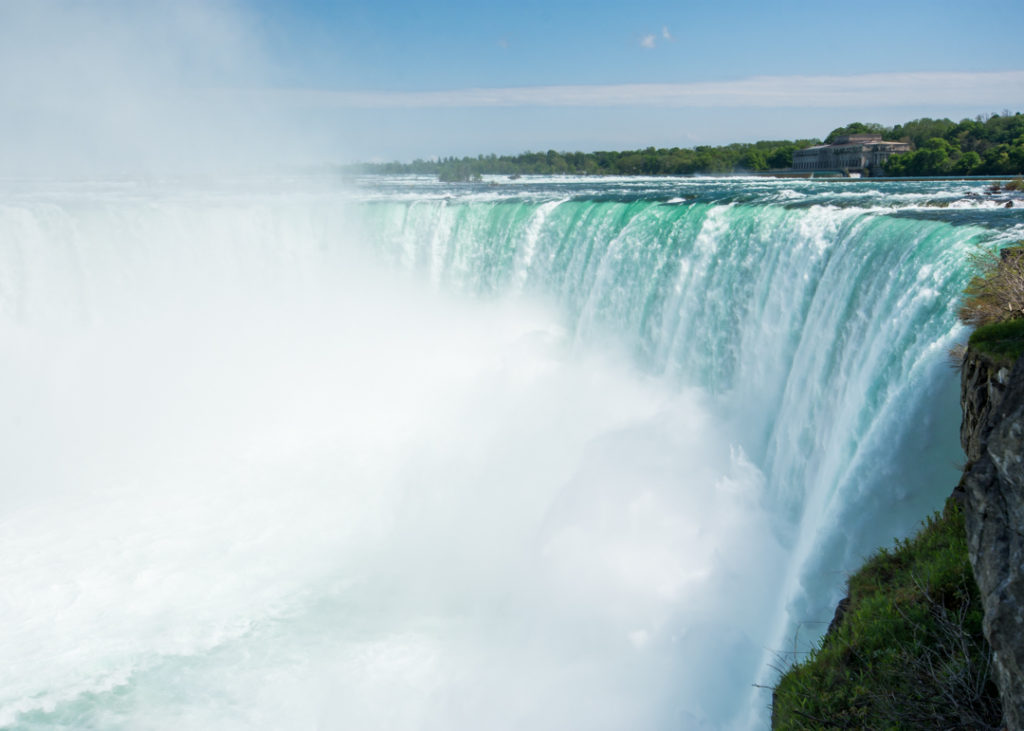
[[250, 480]]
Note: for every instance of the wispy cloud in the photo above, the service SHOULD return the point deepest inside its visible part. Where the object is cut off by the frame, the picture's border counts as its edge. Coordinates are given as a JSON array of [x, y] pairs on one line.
[[982, 89], [665, 34], [647, 41]]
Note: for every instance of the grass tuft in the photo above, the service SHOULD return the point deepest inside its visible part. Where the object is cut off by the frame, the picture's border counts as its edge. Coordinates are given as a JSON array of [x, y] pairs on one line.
[[1002, 341]]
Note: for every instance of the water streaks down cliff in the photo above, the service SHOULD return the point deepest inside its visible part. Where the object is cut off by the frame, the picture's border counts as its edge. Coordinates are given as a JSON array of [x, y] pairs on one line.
[[563, 455]]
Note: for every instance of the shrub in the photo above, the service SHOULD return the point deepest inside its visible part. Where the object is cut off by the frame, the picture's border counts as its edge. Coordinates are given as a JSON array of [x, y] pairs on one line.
[[996, 293]]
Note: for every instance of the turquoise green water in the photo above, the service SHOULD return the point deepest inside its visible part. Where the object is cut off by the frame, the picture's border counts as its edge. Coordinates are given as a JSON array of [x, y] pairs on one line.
[[817, 309], [817, 314], [551, 453]]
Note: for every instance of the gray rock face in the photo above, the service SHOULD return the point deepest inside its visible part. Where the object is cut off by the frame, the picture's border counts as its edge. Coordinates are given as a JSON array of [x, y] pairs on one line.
[[982, 385], [993, 437]]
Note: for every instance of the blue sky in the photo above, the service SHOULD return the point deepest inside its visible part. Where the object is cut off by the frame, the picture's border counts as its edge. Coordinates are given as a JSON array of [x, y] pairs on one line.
[[448, 47], [340, 81], [414, 46]]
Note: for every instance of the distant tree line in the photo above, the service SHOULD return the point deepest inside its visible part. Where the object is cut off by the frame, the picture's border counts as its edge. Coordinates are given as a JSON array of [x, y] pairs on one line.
[[737, 157], [987, 144], [991, 144]]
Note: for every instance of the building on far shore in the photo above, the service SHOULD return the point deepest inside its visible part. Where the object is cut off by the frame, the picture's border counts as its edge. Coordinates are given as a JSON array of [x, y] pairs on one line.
[[862, 153]]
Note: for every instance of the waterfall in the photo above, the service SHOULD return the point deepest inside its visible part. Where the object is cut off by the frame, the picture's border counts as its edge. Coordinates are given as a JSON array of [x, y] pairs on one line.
[[280, 455]]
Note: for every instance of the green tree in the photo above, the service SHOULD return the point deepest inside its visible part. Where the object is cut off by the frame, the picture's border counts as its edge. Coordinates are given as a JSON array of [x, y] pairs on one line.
[[755, 160], [934, 159], [631, 164], [997, 160], [855, 128], [781, 157], [968, 163], [556, 164], [896, 165], [919, 131]]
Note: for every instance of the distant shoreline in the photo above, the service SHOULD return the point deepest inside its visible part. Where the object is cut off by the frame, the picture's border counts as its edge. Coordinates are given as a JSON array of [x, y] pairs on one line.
[[781, 174], [878, 178]]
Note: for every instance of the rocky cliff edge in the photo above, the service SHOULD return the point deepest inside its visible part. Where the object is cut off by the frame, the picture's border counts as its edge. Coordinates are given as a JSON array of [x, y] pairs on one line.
[[992, 492]]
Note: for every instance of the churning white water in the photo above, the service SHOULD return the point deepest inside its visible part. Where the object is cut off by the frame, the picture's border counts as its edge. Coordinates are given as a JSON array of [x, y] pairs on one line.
[[564, 455], [252, 479]]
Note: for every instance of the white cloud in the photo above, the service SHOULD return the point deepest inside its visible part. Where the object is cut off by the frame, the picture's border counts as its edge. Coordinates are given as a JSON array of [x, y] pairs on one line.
[[983, 90], [647, 41], [665, 34]]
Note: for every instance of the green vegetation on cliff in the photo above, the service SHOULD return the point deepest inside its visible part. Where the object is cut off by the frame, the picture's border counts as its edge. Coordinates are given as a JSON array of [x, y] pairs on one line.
[[996, 293], [908, 652], [1001, 341]]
